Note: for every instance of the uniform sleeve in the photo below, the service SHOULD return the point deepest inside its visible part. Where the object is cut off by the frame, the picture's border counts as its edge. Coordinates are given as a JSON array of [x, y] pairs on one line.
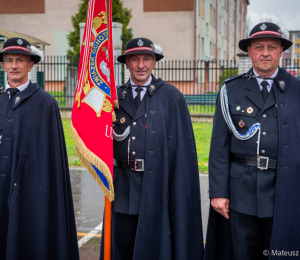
[[219, 156]]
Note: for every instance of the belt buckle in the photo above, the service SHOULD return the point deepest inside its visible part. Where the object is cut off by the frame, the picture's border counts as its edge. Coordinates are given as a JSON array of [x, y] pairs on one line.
[[135, 165], [258, 162]]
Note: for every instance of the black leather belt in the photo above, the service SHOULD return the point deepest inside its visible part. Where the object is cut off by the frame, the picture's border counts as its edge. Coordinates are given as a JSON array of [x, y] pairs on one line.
[[262, 163], [136, 165]]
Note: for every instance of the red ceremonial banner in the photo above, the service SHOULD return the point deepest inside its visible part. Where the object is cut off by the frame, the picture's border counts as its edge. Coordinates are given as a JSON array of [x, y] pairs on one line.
[[95, 97]]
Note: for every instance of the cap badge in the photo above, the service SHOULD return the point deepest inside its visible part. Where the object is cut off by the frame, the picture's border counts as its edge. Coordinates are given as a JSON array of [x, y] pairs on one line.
[[152, 47], [241, 123], [28, 48], [263, 27], [249, 110], [140, 43], [280, 32], [122, 120], [20, 42], [238, 108], [282, 84]]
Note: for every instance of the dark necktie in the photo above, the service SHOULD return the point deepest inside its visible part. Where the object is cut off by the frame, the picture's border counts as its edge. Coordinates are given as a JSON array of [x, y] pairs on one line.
[[137, 99], [12, 91], [264, 90]]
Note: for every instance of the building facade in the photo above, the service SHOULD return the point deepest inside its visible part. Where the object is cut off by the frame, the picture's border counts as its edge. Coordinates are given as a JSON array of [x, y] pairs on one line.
[[48, 20], [191, 29]]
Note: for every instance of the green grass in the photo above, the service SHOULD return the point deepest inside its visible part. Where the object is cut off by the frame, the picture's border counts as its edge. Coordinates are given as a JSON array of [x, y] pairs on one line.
[[59, 96], [194, 109], [202, 133]]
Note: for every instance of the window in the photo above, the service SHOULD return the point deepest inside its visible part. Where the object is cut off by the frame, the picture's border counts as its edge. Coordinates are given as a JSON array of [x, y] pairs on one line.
[[296, 36], [297, 46], [296, 55], [287, 51], [207, 29]]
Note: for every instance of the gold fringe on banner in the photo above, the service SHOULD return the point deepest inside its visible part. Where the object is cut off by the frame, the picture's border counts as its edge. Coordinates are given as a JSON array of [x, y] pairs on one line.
[[87, 158], [116, 103]]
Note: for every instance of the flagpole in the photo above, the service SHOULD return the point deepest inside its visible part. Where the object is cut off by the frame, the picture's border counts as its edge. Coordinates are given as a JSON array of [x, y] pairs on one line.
[[107, 230]]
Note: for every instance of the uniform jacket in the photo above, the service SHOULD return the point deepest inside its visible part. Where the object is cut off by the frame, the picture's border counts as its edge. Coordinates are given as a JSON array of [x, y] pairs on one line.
[[36, 208], [286, 225], [170, 225], [250, 190]]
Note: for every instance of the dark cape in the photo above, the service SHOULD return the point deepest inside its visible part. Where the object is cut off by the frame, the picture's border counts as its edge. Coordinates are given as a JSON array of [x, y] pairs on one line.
[[36, 208], [286, 226], [170, 225]]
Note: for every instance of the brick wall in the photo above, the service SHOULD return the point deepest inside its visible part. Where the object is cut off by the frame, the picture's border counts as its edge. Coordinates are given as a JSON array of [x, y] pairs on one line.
[[22, 7], [168, 5]]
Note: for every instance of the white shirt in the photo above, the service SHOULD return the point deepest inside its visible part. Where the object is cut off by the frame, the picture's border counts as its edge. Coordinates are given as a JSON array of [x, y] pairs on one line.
[[20, 88], [270, 81], [143, 92]]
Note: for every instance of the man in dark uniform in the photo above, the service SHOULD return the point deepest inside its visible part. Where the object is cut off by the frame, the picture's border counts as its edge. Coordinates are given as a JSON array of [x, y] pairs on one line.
[[36, 207], [156, 211], [245, 148]]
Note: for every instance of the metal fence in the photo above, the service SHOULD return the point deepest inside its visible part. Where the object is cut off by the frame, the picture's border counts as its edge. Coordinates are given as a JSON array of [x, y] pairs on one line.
[[199, 82]]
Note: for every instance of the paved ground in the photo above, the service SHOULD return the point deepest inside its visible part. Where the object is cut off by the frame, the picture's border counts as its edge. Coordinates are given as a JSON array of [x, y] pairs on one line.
[[89, 204]]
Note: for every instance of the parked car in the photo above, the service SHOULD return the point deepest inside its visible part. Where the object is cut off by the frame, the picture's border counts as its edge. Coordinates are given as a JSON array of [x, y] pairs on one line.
[[292, 70]]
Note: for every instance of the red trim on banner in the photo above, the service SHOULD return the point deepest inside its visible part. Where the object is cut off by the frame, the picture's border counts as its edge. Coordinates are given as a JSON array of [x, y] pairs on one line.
[[265, 32]]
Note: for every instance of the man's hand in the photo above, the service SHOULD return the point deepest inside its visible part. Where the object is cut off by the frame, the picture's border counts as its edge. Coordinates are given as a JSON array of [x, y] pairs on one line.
[[221, 205]]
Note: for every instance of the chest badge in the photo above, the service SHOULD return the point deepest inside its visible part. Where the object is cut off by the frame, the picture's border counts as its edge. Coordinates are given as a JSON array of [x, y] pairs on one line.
[[249, 110], [122, 120], [238, 108], [123, 94], [281, 84], [241, 123], [152, 88]]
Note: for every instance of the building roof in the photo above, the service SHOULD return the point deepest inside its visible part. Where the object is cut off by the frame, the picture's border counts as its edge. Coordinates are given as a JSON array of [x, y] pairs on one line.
[[32, 40], [294, 31]]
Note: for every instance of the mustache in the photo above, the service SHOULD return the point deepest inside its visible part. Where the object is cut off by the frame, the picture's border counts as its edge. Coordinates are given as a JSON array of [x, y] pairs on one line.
[[14, 70]]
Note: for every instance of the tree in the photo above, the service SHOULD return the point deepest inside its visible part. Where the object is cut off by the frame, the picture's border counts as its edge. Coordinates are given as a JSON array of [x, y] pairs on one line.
[[120, 14]]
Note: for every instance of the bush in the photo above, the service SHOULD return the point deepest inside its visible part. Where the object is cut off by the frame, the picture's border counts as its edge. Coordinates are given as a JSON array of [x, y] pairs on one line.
[[227, 73]]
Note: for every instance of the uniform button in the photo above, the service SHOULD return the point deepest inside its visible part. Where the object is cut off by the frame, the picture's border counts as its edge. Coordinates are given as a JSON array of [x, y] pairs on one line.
[[263, 151], [133, 138], [133, 153], [264, 116], [264, 133], [134, 123], [15, 185]]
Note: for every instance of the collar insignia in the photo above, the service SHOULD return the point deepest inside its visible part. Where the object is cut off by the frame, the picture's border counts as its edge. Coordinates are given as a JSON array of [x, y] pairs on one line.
[[281, 84], [20, 42], [17, 100], [152, 88], [263, 27]]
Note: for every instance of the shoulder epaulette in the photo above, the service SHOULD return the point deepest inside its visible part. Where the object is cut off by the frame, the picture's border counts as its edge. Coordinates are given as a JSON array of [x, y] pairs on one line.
[[233, 77]]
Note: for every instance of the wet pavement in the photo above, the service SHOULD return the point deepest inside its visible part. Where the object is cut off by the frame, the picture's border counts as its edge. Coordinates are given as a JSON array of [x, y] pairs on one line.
[[89, 204]]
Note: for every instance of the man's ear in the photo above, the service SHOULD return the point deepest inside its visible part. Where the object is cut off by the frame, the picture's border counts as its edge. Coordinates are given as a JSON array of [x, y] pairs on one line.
[[31, 64]]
